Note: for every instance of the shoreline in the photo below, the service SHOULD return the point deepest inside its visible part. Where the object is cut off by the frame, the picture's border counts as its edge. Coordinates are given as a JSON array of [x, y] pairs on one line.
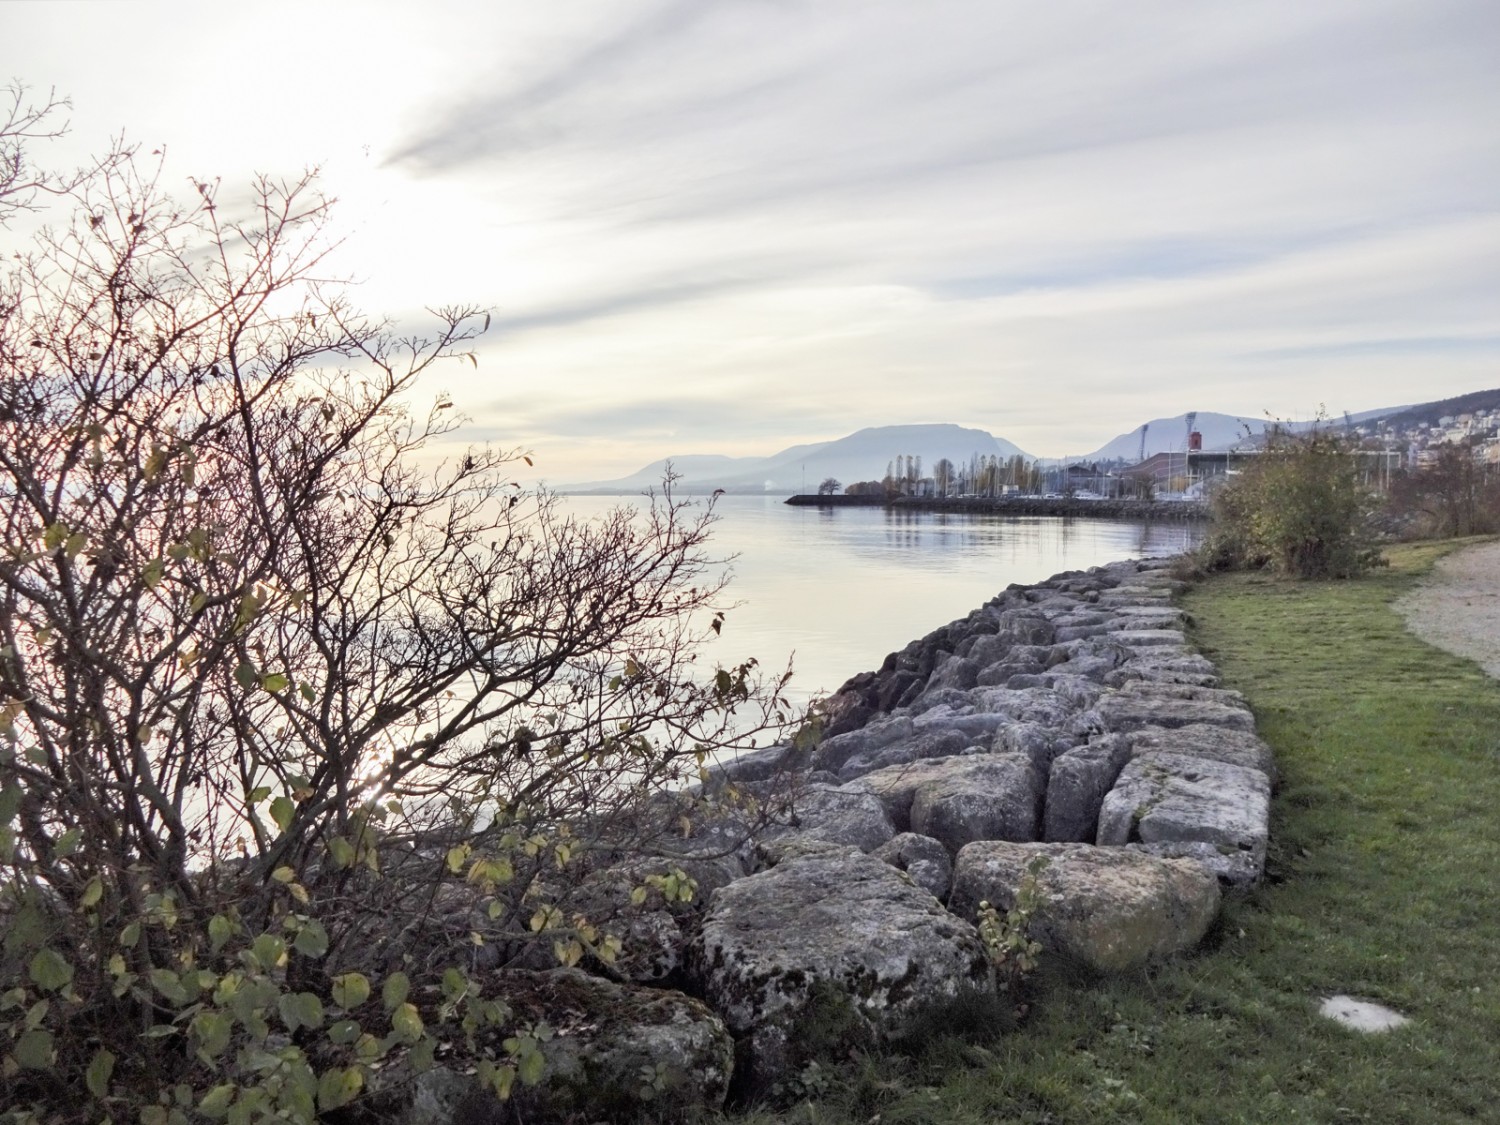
[[1174, 510]]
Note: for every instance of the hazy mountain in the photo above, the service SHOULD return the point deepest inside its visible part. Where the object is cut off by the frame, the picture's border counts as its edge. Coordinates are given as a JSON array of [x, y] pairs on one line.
[[1430, 412], [1165, 435], [862, 455], [1221, 431]]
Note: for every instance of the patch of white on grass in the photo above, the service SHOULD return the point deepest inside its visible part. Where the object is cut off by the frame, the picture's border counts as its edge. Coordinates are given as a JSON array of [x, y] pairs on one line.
[[1361, 1015]]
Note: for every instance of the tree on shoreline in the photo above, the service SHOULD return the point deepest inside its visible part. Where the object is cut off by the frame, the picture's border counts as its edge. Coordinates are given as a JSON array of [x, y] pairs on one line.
[[1299, 509], [256, 663]]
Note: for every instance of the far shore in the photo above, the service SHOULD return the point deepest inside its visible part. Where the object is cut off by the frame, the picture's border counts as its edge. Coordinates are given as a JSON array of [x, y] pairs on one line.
[[1018, 506]]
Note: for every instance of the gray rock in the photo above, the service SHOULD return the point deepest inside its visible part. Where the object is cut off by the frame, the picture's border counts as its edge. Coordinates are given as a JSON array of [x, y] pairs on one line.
[[1154, 689], [833, 752], [1001, 802], [977, 726], [931, 742], [923, 858], [1166, 667], [955, 800], [654, 931], [954, 672], [1038, 743], [838, 815], [608, 1038], [1026, 705], [1175, 798], [1230, 866], [951, 700], [1220, 744], [1111, 909], [832, 928], [1076, 787], [1121, 712]]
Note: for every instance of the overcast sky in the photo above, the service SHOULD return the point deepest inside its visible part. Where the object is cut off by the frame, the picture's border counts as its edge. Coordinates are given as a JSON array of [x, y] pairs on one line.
[[732, 226]]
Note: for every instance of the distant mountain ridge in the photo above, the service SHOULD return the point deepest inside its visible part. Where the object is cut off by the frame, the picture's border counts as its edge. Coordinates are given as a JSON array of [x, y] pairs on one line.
[[861, 455]]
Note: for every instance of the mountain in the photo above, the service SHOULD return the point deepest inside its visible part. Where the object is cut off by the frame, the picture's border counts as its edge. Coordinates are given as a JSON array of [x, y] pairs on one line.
[[1405, 417], [1166, 435], [862, 455]]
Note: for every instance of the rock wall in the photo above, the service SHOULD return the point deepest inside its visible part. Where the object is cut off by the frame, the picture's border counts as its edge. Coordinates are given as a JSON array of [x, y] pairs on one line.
[[1065, 729]]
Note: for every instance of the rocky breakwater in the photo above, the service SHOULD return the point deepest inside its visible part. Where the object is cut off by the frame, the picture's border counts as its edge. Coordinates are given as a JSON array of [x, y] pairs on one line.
[[1063, 732]]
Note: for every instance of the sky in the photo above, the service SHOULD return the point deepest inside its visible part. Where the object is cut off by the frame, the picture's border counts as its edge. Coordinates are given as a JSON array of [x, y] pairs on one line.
[[730, 226]]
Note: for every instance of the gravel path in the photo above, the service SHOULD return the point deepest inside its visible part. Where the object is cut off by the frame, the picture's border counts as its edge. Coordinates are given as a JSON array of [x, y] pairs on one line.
[[1457, 607]]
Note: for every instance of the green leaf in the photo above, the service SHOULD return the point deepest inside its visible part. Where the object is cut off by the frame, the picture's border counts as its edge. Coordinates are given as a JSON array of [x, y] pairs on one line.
[[246, 676], [344, 1032], [10, 802], [259, 794], [169, 984], [216, 1102], [220, 930], [98, 1074], [268, 951], [274, 681], [339, 1087], [55, 535], [67, 843], [153, 1115], [530, 1066], [51, 971], [307, 692], [212, 1030], [393, 993], [300, 1009], [34, 1050], [342, 852], [350, 990], [92, 893], [130, 936], [312, 940], [152, 575], [406, 1023], [282, 811]]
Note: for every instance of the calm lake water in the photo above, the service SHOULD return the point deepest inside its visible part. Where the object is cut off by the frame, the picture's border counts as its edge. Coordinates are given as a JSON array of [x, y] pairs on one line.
[[836, 589]]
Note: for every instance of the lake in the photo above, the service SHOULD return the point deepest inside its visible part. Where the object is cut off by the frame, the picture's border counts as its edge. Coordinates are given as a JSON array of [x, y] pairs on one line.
[[836, 589]]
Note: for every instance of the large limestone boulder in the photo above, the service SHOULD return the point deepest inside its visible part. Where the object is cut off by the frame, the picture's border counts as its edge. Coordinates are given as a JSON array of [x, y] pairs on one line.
[[930, 740], [1163, 797], [1109, 908], [626, 899], [836, 814], [1121, 711], [923, 858], [830, 927], [957, 800], [618, 1053], [1200, 740], [833, 752], [1076, 787]]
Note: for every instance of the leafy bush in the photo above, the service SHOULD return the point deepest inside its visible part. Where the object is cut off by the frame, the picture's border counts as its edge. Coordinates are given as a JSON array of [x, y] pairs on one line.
[[1299, 509], [298, 736]]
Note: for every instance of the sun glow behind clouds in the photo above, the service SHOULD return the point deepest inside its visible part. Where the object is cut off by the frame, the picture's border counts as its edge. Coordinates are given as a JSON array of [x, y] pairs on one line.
[[735, 226]]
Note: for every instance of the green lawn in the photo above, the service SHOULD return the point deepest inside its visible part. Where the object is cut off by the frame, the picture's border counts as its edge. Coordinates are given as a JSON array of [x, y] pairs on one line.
[[1383, 881]]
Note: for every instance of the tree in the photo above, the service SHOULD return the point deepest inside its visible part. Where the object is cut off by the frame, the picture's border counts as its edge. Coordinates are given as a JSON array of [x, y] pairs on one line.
[[942, 474], [266, 681], [829, 486], [1298, 509]]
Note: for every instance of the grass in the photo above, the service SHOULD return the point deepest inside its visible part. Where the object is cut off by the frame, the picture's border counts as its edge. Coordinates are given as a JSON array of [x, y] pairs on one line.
[[1383, 882]]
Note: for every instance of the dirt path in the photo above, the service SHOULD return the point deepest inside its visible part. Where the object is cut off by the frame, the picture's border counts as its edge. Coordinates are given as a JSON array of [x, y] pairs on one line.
[[1457, 607]]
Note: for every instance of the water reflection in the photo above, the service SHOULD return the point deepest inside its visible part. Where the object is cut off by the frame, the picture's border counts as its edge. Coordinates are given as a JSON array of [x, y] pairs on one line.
[[841, 587]]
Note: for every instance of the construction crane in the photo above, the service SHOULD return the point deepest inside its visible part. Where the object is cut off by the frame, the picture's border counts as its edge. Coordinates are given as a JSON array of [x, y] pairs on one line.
[[1187, 444]]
